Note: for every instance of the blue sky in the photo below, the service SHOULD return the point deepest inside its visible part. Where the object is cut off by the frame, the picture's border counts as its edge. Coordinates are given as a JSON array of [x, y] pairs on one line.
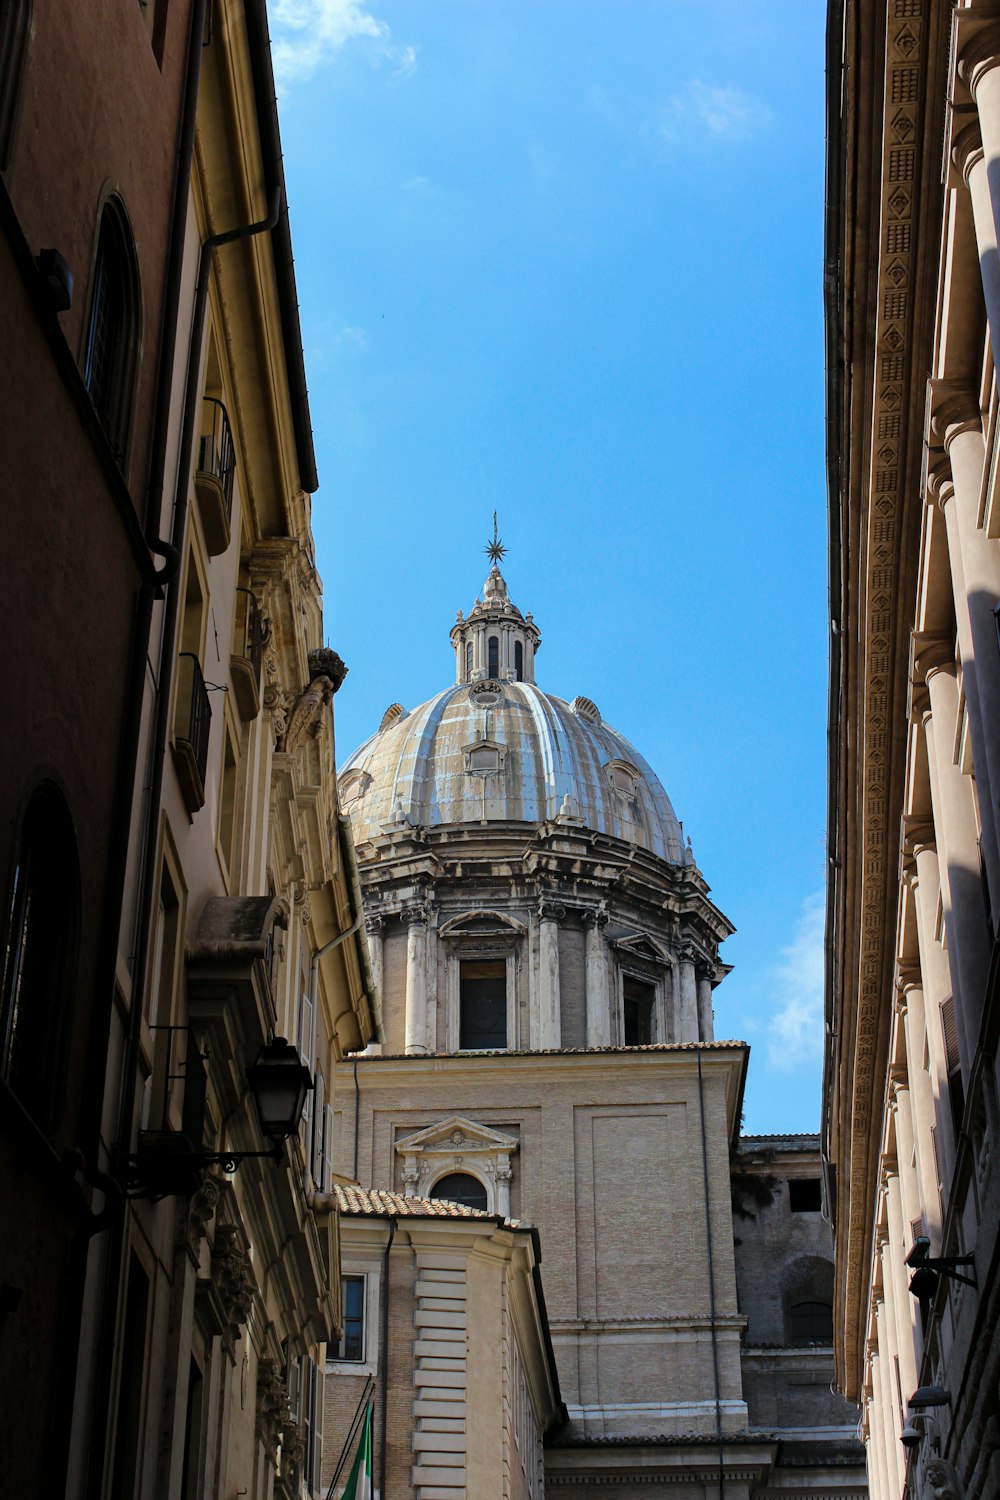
[[563, 259]]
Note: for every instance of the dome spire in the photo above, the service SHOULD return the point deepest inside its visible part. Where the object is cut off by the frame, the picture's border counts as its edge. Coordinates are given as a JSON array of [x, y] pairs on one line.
[[496, 642], [495, 550]]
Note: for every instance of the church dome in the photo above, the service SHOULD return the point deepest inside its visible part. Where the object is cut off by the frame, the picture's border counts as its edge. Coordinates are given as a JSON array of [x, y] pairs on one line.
[[494, 748]]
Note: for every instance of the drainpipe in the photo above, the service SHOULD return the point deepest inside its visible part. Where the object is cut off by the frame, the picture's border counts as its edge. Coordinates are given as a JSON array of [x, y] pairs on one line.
[[385, 1357], [711, 1284]]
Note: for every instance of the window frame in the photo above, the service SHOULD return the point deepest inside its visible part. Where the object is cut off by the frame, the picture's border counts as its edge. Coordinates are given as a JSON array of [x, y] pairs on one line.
[[114, 413], [370, 1272]]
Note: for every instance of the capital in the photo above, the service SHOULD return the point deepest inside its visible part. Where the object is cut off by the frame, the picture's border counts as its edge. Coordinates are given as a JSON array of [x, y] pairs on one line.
[[953, 408], [931, 653], [550, 911], [908, 977], [374, 924], [940, 484], [979, 54], [595, 917], [413, 914], [967, 150]]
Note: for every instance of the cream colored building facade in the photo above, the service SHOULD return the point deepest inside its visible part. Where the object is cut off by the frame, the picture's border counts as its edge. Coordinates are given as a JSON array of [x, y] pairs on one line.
[[911, 1096], [545, 949], [212, 1295]]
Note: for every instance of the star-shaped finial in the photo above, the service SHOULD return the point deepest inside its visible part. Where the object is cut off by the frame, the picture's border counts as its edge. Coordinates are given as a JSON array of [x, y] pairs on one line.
[[495, 550]]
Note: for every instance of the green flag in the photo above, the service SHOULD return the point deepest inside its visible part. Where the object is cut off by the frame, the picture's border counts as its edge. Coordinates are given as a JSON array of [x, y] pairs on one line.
[[359, 1480]]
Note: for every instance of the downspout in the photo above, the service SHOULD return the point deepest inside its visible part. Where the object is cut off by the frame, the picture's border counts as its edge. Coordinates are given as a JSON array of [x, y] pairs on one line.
[[357, 1117], [385, 1357], [711, 1284]]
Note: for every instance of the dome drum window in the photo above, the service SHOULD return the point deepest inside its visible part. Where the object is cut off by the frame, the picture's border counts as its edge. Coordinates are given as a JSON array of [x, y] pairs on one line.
[[481, 964]]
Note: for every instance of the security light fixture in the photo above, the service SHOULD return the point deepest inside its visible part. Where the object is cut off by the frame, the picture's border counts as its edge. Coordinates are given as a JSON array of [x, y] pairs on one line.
[[279, 1081], [910, 1436], [929, 1395], [938, 1265]]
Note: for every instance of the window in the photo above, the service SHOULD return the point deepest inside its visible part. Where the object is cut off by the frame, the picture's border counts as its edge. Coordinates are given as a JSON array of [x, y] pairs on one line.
[[39, 957], [468, 660], [113, 329], [482, 1005], [519, 661], [227, 802], [811, 1323], [638, 999], [493, 656], [352, 1344], [461, 1187], [956, 1089], [128, 1429], [804, 1195], [484, 759], [15, 26]]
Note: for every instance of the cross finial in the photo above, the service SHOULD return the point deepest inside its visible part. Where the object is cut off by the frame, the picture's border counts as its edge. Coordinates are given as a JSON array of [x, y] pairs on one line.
[[495, 550]]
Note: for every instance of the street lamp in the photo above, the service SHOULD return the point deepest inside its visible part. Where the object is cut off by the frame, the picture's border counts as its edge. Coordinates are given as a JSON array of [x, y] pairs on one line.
[[165, 1165]]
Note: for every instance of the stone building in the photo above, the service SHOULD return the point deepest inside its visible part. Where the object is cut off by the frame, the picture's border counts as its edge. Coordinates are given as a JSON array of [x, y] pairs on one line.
[[913, 322], [179, 891], [545, 949]]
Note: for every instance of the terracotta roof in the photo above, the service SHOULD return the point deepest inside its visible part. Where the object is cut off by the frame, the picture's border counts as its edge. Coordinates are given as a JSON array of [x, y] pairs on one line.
[[380, 1203], [804, 1141], [561, 1052]]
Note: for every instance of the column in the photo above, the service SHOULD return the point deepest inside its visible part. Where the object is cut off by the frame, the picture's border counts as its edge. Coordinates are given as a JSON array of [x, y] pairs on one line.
[[922, 1111], [937, 987], [903, 1305], [958, 853], [685, 998], [888, 1399], [975, 573], [704, 974], [968, 156], [416, 979], [373, 935], [550, 914], [878, 1472], [598, 998], [979, 55]]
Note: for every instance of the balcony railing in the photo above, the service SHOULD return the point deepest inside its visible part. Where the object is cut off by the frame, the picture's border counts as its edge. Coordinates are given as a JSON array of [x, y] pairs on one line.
[[215, 474], [248, 651], [192, 722]]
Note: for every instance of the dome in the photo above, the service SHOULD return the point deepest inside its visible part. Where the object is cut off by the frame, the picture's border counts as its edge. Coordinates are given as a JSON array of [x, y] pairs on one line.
[[494, 748]]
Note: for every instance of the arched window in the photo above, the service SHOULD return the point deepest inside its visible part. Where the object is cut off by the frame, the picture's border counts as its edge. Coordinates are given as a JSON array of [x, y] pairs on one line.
[[807, 1292], [460, 1187], [39, 957], [15, 26], [519, 661], [810, 1323], [113, 329], [493, 656], [468, 660]]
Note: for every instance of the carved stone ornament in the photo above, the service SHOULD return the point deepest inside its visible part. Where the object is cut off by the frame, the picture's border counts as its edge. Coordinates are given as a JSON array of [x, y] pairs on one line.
[[306, 718], [201, 1209], [274, 1415], [293, 1447], [550, 911], [942, 1481], [233, 1283], [326, 663]]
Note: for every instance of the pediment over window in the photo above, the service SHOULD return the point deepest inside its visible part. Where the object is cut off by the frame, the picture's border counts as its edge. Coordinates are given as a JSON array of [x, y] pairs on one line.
[[352, 786], [485, 757], [458, 1134], [638, 945], [459, 1145], [481, 924]]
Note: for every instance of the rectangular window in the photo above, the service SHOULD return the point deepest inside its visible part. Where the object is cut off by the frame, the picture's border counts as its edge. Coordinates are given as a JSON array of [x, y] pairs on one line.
[[956, 1088], [482, 1005], [352, 1345], [227, 802], [805, 1195], [638, 999]]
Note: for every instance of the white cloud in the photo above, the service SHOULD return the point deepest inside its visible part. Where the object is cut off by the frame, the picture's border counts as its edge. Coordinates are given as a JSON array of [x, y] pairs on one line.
[[352, 338], [709, 112], [795, 1031], [308, 34]]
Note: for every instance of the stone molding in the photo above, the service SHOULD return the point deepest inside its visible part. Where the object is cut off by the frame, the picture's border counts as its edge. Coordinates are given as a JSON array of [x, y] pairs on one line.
[[967, 150], [953, 409]]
